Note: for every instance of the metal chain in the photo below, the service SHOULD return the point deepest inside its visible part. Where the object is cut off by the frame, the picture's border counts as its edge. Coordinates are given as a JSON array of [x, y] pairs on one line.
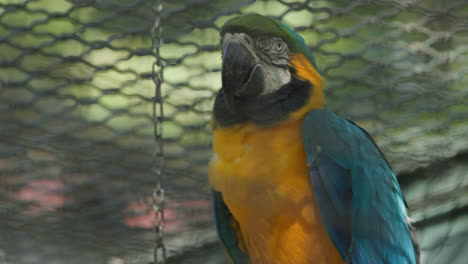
[[158, 115]]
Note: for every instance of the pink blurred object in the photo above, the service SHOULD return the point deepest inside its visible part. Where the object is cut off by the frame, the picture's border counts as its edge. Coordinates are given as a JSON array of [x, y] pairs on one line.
[[175, 218], [46, 195]]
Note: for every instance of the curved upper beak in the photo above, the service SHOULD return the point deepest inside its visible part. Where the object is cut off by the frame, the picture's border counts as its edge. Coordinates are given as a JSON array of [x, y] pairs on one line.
[[241, 74]]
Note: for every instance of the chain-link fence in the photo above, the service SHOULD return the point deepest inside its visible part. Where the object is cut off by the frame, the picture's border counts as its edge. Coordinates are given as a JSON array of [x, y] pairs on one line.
[[77, 87]]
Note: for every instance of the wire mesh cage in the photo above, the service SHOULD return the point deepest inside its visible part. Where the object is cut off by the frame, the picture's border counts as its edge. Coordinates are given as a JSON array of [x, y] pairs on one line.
[[77, 135]]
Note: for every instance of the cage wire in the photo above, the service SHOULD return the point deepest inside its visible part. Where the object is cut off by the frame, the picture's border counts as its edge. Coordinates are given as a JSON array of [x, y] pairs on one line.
[[77, 132]]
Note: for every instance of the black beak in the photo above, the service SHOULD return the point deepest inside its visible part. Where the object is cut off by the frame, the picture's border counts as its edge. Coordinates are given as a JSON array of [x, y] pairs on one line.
[[241, 75]]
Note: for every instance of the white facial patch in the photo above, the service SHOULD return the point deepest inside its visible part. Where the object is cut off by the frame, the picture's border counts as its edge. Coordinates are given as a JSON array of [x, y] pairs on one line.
[[275, 77]]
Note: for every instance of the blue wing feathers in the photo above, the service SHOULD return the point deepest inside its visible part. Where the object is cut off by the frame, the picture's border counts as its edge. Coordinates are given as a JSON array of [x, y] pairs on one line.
[[334, 192], [353, 181]]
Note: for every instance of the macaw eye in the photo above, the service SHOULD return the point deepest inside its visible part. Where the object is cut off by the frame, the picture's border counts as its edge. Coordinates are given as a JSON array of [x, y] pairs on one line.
[[279, 45]]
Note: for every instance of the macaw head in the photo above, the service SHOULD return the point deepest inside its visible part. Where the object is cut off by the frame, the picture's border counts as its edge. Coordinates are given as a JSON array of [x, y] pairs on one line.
[[269, 74]]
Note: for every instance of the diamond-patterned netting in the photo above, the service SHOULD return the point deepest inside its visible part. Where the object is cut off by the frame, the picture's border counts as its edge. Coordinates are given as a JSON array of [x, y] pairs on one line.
[[76, 126]]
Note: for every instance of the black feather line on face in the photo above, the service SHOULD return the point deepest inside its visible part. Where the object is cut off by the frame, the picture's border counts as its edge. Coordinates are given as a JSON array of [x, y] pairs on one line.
[[264, 110]]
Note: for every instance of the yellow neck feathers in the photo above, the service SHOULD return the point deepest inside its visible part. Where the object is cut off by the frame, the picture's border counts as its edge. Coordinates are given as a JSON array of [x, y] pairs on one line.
[[305, 71]]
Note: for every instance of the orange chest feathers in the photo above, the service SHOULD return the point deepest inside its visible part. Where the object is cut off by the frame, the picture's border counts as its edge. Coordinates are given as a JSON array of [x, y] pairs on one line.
[[264, 179]]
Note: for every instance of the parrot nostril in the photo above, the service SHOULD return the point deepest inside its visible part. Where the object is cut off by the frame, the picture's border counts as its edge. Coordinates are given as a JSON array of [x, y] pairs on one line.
[[246, 38]]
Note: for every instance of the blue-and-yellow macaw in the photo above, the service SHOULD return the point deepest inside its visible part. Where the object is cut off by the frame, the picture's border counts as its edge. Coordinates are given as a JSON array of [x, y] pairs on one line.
[[293, 183]]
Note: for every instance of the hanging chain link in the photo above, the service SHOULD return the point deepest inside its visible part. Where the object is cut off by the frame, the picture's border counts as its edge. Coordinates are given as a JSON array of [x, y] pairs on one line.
[[158, 115]]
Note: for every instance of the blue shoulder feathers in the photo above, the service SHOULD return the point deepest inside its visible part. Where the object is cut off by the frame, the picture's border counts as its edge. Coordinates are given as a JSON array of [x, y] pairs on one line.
[[360, 201]]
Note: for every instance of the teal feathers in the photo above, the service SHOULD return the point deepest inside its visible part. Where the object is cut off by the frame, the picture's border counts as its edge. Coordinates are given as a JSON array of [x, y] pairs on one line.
[[358, 195]]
